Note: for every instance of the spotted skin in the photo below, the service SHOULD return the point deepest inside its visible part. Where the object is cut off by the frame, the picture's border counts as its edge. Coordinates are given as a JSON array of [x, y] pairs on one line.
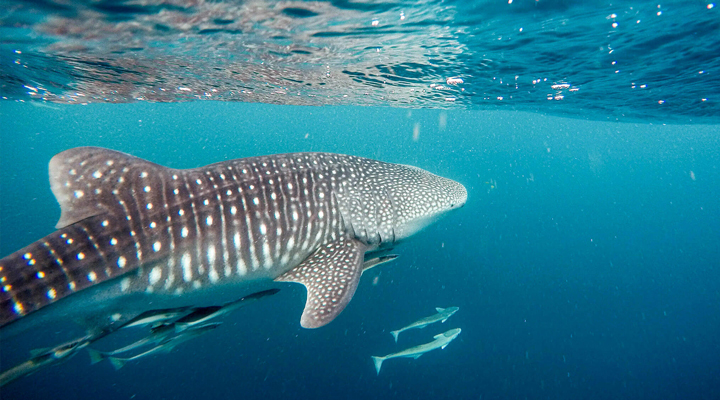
[[160, 231], [331, 276]]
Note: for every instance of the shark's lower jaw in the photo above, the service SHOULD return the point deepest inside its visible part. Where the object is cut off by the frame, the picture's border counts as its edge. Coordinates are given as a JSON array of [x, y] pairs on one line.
[[133, 229]]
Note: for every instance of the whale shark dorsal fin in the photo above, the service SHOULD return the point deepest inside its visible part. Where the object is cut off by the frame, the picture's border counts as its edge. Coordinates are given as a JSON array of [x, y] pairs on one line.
[[438, 309], [84, 180], [331, 275]]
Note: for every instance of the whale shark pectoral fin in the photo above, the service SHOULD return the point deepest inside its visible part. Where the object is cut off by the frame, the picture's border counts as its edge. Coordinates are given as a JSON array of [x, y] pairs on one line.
[[415, 357], [438, 309], [331, 275]]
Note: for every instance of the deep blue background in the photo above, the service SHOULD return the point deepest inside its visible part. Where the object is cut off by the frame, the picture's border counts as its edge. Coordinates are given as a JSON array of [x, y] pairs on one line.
[[591, 270]]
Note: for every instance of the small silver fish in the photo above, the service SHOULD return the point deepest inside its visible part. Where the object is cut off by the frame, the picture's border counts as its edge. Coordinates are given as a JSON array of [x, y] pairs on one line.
[[442, 315], [441, 341], [156, 317], [374, 262], [203, 314], [158, 335], [45, 357], [165, 346]]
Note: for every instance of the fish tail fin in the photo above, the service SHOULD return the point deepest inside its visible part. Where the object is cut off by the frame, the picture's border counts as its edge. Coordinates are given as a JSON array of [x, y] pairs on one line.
[[117, 362], [95, 355], [395, 334], [37, 352], [378, 363]]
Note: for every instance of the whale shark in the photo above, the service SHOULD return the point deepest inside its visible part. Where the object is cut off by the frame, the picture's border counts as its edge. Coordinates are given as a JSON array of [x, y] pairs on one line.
[[134, 236]]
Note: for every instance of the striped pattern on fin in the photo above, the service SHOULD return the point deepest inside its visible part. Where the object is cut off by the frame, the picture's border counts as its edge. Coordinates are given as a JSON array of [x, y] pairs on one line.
[[109, 202], [331, 275], [71, 259]]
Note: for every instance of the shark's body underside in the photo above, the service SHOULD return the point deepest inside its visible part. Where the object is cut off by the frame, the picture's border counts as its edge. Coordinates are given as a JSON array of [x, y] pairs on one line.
[[135, 236]]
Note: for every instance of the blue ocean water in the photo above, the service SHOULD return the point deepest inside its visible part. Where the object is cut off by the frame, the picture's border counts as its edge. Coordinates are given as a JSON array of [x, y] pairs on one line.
[[586, 262]]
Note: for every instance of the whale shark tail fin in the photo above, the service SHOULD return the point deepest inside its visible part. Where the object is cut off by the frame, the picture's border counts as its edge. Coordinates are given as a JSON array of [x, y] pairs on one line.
[[395, 335], [378, 363]]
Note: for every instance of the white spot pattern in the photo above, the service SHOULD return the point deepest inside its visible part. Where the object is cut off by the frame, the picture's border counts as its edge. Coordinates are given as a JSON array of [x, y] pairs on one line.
[[155, 275], [268, 212]]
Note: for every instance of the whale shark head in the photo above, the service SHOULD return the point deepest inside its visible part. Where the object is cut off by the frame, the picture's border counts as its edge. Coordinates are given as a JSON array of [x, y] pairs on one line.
[[424, 199], [385, 203]]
